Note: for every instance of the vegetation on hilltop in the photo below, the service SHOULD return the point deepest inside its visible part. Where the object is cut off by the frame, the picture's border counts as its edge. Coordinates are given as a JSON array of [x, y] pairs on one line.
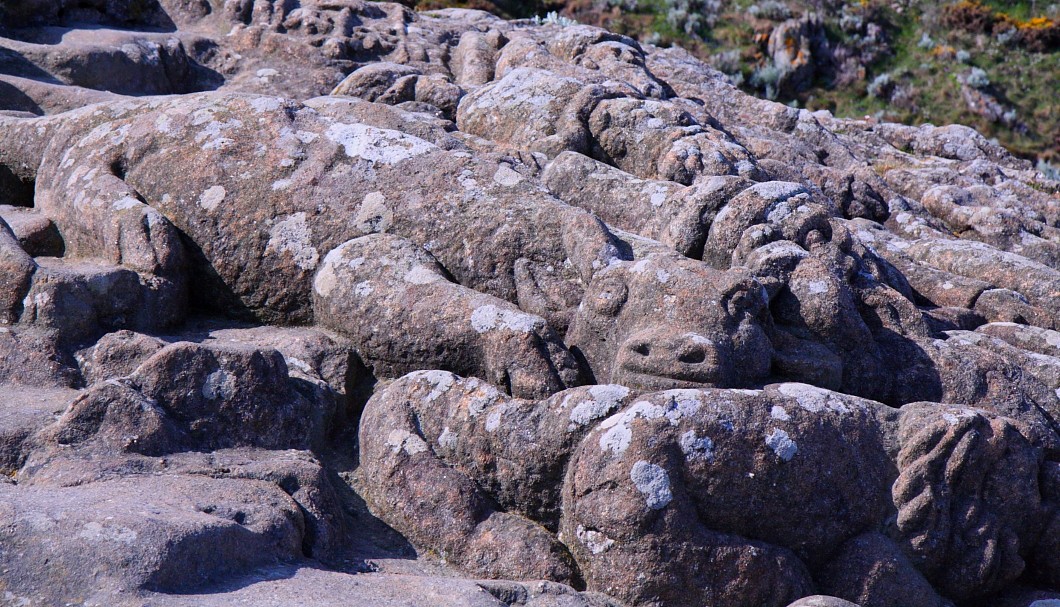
[[990, 64]]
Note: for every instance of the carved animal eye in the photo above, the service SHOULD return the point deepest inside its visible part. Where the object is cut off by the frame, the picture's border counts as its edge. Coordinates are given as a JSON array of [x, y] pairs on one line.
[[609, 298]]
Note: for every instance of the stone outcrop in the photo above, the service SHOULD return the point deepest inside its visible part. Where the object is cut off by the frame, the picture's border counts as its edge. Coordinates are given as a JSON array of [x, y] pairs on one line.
[[332, 302]]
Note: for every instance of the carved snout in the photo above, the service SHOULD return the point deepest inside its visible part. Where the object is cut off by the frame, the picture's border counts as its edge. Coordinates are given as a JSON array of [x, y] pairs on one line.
[[660, 358]]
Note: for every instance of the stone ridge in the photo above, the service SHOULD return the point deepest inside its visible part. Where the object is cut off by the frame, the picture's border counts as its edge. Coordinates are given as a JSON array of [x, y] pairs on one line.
[[334, 303]]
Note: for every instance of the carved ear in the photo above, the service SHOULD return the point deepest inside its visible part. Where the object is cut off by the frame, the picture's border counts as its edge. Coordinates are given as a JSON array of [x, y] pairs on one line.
[[549, 295], [742, 295], [589, 245], [808, 224], [609, 294]]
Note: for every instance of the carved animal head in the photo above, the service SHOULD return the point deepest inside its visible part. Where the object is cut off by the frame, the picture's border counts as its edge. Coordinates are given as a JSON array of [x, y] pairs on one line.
[[666, 321]]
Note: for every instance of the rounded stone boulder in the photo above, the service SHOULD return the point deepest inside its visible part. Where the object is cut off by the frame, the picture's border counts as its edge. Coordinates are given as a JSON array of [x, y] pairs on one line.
[[780, 476]]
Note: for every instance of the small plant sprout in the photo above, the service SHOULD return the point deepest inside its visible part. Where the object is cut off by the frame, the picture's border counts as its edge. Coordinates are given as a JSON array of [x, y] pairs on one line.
[[554, 18]]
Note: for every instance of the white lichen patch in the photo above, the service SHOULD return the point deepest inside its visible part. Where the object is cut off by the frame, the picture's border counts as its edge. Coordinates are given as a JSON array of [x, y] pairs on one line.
[[363, 289], [35, 303], [96, 135], [781, 444], [380, 146], [698, 339], [954, 416], [262, 105], [653, 482], [327, 279], [213, 133], [120, 134], [467, 180], [778, 212], [298, 363], [485, 397], [491, 317], [816, 287], [219, 384], [595, 541], [696, 447], [1052, 338], [745, 168], [778, 190], [493, 420], [164, 124], [681, 403], [617, 433], [86, 176], [814, 399], [507, 176], [612, 394], [440, 381], [212, 197], [422, 275], [125, 203], [373, 214], [448, 438], [205, 114], [95, 532], [403, 440], [293, 236], [218, 143], [779, 413], [604, 400]]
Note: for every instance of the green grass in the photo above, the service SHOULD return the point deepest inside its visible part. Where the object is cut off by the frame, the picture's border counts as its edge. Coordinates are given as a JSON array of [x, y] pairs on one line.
[[1022, 80]]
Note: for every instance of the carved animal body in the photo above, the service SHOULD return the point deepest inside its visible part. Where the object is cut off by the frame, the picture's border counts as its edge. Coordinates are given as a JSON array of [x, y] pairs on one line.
[[630, 481], [471, 237], [499, 268]]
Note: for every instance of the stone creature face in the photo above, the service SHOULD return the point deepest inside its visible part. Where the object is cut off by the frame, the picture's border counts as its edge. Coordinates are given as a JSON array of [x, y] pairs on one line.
[[666, 321]]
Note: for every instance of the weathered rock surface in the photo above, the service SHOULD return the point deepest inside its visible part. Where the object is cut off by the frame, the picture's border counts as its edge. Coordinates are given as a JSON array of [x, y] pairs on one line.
[[332, 302]]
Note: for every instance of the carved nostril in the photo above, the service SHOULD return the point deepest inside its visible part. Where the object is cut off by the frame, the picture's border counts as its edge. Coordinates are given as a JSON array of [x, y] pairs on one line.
[[642, 349], [692, 357]]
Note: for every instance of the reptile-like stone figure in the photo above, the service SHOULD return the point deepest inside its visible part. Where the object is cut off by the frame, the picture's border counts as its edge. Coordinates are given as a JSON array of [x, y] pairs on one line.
[[289, 232], [676, 497]]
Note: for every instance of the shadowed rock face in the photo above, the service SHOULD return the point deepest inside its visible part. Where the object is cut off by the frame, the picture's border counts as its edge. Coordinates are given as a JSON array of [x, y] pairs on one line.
[[291, 291]]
